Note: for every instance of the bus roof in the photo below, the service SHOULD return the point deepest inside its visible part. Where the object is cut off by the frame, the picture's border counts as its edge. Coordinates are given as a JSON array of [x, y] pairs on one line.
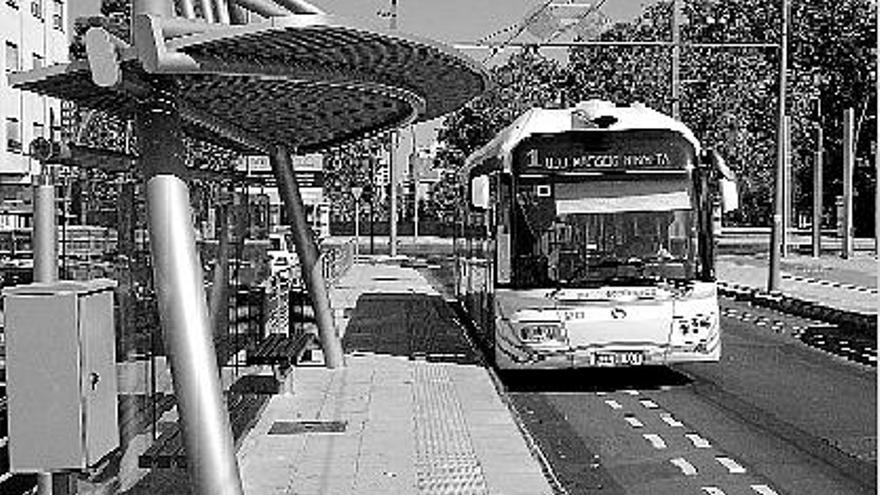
[[548, 121]]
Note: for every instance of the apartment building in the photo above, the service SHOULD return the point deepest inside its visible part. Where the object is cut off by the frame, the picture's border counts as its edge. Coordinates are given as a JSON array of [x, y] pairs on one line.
[[33, 33]]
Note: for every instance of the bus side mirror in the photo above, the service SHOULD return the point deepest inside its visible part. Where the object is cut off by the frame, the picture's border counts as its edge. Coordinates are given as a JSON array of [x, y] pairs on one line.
[[480, 192], [729, 195], [726, 181]]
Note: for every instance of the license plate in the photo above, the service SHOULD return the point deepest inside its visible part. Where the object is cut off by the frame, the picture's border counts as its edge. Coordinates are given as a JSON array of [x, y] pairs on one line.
[[619, 358]]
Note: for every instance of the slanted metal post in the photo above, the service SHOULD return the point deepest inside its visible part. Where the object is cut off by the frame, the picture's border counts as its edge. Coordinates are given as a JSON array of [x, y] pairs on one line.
[[183, 309], [307, 251]]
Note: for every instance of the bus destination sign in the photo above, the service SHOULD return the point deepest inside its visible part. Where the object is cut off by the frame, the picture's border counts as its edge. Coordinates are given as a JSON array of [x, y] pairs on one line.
[[597, 151], [535, 159]]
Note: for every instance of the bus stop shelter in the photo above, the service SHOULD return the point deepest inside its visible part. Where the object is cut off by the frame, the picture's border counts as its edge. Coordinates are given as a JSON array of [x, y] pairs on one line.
[[296, 80]]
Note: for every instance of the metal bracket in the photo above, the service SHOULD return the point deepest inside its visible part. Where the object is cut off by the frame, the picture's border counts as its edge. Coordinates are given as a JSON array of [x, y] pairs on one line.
[[154, 56], [103, 51]]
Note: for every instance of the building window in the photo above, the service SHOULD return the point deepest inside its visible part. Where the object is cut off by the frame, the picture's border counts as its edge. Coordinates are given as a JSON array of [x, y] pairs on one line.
[[11, 57], [58, 14], [38, 61], [39, 130], [13, 135], [37, 9]]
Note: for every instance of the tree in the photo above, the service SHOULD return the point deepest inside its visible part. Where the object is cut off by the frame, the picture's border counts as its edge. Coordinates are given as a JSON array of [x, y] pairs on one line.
[[729, 96]]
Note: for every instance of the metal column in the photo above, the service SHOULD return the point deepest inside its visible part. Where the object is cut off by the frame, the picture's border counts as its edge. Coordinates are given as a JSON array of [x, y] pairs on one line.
[[849, 158], [183, 310], [219, 301], [777, 236], [817, 194], [45, 248], [307, 252], [45, 230]]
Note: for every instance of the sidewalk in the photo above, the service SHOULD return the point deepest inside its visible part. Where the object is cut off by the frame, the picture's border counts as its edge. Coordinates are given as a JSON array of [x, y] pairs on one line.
[[418, 412], [849, 285]]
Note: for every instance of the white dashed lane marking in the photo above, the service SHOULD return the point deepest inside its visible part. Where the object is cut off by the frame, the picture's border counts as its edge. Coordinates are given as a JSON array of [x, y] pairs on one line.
[[763, 490], [671, 421], [713, 490], [634, 421], [732, 466], [613, 404], [649, 403], [655, 440], [698, 441], [631, 392], [686, 467]]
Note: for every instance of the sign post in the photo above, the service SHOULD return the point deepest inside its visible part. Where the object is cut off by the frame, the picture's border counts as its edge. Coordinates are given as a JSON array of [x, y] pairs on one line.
[[357, 191]]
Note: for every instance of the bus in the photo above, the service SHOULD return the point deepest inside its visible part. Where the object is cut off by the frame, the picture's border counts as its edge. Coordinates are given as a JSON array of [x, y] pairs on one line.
[[587, 240]]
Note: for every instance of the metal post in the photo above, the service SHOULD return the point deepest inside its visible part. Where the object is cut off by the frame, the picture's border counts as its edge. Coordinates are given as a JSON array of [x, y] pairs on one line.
[[219, 300], [392, 216], [45, 248], [372, 205], [45, 230], [817, 193], [848, 166], [676, 59], [776, 235], [415, 211], [183, 310], [787, 190], [208, 10], [307, 252]]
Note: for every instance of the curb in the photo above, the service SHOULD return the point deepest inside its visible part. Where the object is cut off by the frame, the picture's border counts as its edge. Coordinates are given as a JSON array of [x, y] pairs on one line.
[[852, 320]]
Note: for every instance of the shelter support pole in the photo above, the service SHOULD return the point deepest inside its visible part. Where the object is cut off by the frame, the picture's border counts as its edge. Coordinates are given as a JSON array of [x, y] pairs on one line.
[[219, 299], [309, 257], [183, 310]]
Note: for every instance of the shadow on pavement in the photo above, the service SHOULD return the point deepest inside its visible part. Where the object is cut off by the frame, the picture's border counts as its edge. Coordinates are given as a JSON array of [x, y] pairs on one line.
[[592, 380], [416, 326]]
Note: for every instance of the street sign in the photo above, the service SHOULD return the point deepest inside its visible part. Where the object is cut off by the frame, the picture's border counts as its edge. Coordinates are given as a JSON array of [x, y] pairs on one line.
[[357, 191]]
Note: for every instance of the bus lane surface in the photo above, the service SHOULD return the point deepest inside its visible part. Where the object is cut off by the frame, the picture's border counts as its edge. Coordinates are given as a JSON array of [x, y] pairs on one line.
[[774, 416]]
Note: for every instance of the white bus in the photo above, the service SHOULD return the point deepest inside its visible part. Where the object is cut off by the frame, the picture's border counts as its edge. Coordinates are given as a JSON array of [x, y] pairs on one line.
[[588, 240]]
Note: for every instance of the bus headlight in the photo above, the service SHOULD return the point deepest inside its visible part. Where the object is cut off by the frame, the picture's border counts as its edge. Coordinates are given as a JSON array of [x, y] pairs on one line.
[[537, 332]]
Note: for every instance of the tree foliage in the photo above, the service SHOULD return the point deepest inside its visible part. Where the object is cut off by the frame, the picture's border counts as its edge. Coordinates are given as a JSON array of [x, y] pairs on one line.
[[729, 96]]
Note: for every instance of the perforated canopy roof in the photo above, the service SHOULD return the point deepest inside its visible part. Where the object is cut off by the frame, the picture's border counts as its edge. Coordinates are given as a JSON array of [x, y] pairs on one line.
[[305, 81]]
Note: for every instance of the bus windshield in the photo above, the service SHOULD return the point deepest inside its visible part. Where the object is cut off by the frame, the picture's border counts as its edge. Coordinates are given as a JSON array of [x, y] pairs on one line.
[[581, 238]]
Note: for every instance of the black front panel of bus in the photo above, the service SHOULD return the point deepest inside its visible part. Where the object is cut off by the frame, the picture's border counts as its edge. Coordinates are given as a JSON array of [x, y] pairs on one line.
[[603, 151]]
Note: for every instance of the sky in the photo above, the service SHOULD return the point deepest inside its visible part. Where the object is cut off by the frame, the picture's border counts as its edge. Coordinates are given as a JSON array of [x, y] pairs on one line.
[[448, 21]]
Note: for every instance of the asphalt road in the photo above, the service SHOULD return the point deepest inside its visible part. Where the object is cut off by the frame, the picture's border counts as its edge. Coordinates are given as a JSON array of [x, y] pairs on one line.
[[774, 416]]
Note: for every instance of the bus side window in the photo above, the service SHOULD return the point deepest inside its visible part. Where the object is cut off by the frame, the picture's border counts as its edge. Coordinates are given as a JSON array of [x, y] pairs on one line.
[[502, 233]]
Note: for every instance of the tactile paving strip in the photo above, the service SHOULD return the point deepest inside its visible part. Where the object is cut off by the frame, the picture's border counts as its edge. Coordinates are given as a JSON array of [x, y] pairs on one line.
[[445, 459]]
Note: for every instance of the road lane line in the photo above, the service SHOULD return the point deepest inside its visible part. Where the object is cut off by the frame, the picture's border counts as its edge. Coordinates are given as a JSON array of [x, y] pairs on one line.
[[613, 404], [671, 421], [763, 490], [631, 392], [649, 403], [655, 440], [687, 468], [732, 466], [634, 421], [698, 441], [713, 490]]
